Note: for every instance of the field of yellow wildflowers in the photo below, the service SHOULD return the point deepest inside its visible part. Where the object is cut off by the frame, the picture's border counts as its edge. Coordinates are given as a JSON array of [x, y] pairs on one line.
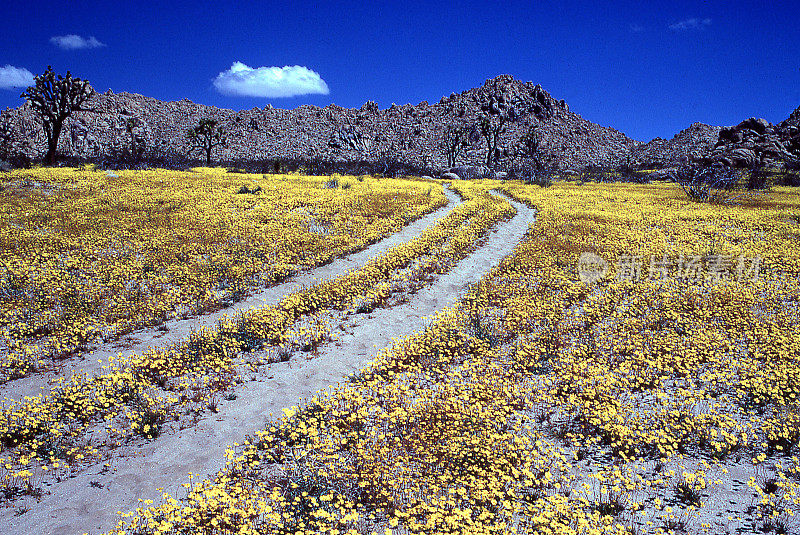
[[659, 396], [83, 418], [88, 255]]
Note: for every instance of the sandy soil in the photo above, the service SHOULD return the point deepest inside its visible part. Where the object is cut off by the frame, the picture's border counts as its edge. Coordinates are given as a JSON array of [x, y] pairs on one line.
[[77, 506]]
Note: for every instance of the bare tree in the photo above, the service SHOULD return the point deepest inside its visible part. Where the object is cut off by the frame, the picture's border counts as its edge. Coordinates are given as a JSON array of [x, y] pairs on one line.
[[712, 184], [491, 128], [206, 136], [456, 139], [55, 98]]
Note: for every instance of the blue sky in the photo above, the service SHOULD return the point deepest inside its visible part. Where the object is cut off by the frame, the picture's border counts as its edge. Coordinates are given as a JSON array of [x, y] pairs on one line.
[[646, 70]]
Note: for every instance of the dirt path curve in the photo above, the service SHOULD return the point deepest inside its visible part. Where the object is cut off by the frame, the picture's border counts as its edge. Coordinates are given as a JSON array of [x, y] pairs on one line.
[[75, 506], [178, 329]]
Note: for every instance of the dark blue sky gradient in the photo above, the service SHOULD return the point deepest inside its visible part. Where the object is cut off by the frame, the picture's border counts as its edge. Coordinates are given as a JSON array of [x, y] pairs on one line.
[[616, 64]]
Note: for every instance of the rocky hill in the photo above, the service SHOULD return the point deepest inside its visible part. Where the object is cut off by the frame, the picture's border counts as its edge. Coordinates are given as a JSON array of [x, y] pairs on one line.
[[688, 144], [411, 133]]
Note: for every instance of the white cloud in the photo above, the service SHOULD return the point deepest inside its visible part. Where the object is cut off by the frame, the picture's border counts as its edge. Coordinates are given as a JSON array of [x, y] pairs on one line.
[[75, 42], [11, 77], [270, 82], [636, 28], [690, 24]]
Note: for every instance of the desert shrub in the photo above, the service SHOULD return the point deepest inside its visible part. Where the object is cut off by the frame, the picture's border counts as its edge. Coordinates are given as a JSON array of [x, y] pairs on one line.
[[543, 178], [115, 158], [530, 171], [757, 177], [627, 172], [245, 190], [713, 184], [595, 173], [789, 178], [704, 183], [540, 177], [386, 166], [790, 175], [625, 169], [151, 156], [653, 165], [20, 161]]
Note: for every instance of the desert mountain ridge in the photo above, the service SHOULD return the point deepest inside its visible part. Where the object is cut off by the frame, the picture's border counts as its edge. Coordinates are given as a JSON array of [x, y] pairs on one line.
[[411, 133]]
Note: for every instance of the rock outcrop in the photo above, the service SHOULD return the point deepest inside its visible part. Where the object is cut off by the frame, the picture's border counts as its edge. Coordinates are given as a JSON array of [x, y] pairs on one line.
[[752, 141], [757, 140]]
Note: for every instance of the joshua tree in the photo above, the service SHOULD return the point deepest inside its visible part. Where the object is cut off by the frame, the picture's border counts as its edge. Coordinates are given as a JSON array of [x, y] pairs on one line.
[[526, 162], [6, 138], [529, 142], [527, 147], [491, 128], [206, 136], [131, 124], [456, 139], [54, 98]]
